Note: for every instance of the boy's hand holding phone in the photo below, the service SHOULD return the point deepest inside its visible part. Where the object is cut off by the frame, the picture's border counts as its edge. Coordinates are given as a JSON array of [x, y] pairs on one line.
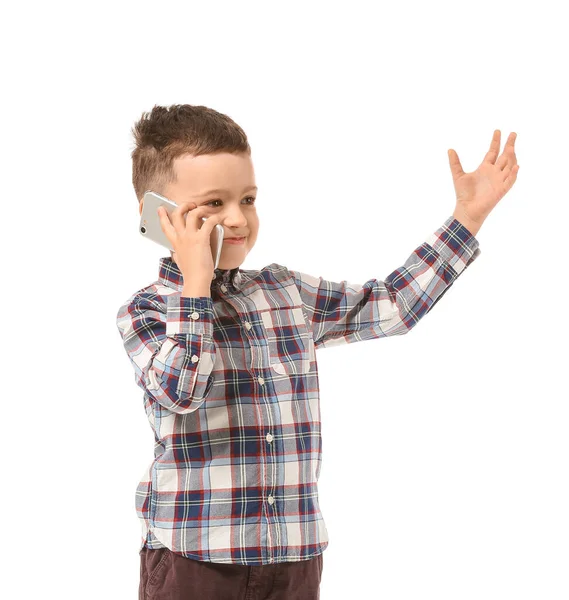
[[191, 239]]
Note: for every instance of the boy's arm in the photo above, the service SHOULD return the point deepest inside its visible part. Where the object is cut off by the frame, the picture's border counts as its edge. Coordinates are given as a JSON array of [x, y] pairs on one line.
[[172, 352], [342, 313]]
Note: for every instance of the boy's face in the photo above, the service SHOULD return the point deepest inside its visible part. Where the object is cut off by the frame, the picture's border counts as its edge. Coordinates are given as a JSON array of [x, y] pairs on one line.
[[234, 175]]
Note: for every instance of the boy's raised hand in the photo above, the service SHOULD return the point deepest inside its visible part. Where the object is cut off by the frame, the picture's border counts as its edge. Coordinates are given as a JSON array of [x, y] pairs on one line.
[[191, 241], [477, 193]]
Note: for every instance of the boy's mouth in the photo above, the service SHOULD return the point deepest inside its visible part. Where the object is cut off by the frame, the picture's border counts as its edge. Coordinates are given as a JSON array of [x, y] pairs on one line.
[[234, 240]]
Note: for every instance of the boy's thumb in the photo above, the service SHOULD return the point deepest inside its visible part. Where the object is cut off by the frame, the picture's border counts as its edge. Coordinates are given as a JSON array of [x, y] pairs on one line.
[[454, 162]]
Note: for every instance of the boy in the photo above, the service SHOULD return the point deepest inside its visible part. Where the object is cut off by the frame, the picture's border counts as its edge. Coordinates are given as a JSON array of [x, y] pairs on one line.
[[226, 359]]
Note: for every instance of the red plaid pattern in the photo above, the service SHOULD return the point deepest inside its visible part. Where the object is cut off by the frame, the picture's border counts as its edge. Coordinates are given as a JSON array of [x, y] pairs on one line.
[[231, 393]]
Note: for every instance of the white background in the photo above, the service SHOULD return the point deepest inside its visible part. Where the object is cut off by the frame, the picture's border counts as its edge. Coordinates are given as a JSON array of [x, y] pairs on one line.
[[445, 450]]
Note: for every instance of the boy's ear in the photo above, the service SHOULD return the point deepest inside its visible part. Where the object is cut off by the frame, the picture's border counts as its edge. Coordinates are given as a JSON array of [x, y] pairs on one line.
[[140, 207]]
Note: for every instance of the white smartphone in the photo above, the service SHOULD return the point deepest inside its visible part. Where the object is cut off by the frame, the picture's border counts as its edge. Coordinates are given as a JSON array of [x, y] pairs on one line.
[[151, 229]]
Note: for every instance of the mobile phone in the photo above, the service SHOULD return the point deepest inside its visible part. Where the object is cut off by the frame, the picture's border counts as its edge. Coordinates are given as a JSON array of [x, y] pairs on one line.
[[151, 229]]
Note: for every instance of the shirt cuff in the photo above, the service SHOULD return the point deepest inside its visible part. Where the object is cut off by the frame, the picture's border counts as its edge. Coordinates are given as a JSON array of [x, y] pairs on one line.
[[185, 315]]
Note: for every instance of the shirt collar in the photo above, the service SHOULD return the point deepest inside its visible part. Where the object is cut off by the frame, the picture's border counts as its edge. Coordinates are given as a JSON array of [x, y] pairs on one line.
[[170, 275]]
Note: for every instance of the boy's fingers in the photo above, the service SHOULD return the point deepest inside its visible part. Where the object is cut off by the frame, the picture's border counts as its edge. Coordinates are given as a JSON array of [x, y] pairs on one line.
[[210, 223], [175, 224], [198, 218], [181, 213], [167, 227]]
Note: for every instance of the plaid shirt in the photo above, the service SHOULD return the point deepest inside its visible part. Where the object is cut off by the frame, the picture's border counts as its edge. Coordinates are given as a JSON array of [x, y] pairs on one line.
[[231, 392]]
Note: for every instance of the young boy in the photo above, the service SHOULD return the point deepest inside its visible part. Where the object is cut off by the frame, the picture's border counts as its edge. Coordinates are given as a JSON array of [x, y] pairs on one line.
[[226, 359]]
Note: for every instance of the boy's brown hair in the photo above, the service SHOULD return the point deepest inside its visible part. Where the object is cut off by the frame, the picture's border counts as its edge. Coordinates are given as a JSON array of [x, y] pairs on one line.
[[168, 132]]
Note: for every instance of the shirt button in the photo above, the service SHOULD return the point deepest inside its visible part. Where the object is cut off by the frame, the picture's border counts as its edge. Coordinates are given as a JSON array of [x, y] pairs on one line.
[[195, 359], [269, 438], [270, 499], [248, 325], [223, 288], [260, 380], [195, 315]]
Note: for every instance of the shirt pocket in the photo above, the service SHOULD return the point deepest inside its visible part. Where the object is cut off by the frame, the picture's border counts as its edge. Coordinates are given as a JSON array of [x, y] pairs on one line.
[[288, 340]]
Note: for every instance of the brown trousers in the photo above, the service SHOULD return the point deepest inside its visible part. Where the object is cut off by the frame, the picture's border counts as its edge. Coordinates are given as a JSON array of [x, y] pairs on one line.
[[165, 575]]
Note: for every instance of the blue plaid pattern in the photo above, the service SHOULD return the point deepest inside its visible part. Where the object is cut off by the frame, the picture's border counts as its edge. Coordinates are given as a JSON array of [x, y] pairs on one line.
[[231, 392]]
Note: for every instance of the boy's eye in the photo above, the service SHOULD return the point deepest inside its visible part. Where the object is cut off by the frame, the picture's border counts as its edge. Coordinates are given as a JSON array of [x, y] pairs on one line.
[[212, 201]]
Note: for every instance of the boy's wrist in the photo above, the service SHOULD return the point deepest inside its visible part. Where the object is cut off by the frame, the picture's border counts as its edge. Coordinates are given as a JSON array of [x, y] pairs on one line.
[[473, 227], [195, 292]]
